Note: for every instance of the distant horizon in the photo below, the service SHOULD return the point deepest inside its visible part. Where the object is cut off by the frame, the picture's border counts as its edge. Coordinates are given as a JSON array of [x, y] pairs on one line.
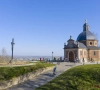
[[33, 56], [36, 57]]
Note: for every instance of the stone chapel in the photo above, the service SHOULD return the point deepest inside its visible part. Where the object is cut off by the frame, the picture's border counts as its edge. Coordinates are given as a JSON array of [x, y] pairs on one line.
[[86, 46]]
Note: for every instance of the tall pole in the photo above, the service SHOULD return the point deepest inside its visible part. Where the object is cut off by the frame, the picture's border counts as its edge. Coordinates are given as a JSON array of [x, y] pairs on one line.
[[52, 55], [12, 53], [12, 44]]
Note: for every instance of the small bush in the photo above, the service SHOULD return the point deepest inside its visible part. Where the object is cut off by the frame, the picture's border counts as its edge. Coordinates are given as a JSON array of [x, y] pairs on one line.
[[86, 77]]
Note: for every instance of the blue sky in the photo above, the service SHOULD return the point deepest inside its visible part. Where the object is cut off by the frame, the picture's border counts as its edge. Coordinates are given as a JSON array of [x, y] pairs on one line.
[[42, 26]]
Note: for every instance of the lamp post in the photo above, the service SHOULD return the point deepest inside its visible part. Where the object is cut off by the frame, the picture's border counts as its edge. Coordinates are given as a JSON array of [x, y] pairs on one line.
[[52, 55]]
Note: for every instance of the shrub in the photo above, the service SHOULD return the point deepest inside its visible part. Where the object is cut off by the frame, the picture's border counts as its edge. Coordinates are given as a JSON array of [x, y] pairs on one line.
[[86, 77], [7, 73]]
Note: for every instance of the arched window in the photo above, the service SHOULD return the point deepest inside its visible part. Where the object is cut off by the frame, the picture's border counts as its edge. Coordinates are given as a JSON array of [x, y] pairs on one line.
[[91, 43], [94, 53], [84, 52], [80, 52]]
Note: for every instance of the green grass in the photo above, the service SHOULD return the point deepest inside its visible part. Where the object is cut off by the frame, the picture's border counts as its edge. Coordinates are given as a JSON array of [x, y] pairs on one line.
[[85, 77], [7, 73]]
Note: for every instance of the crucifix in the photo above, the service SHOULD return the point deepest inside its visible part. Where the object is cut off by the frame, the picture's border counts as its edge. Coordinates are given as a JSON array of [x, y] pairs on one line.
[[12, 44]]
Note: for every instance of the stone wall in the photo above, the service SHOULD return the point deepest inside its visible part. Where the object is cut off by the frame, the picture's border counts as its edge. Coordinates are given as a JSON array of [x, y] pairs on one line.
[[94, 42], [83, 53], [66, 53], [22, 78]]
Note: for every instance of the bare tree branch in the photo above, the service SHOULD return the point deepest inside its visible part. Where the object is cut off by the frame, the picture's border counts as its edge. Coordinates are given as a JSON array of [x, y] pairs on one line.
[[4, 57]]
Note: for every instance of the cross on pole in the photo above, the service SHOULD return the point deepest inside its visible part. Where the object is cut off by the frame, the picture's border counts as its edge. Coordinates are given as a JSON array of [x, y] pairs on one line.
[[12, 44]]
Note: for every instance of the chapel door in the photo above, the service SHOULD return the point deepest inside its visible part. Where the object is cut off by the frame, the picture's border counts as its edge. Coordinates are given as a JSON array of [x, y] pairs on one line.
[[71, 56]]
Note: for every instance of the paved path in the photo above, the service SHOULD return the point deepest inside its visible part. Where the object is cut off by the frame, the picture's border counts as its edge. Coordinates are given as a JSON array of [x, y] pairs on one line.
[[43, 78]]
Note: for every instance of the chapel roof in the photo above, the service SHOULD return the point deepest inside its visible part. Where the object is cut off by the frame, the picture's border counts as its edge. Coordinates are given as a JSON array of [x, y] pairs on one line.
[[86, 34]]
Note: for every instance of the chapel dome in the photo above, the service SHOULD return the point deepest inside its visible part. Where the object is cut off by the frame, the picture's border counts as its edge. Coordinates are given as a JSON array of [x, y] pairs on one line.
[[86, 34]]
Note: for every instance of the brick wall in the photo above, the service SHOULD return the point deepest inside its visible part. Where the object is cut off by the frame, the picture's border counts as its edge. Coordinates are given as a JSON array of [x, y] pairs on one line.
[[94, 53], [87, 42], [83, 53], [94, 42]]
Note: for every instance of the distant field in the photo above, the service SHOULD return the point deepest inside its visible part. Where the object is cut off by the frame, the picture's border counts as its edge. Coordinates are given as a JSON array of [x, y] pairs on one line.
[[85, 77]]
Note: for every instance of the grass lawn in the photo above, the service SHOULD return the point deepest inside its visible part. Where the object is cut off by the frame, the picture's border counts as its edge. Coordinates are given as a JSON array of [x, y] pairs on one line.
[[7, 73], [84, 77]]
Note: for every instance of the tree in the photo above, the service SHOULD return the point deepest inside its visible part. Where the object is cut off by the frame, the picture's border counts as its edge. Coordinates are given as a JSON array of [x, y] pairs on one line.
[[3, 52], [4, 57]]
